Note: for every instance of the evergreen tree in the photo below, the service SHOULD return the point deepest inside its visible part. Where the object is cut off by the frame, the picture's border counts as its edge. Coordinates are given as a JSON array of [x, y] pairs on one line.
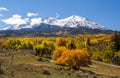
[[116, 42], [71, 45], [88, 42]]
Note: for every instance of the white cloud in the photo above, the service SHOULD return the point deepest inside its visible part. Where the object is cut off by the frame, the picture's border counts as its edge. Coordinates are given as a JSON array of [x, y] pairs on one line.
[[1, 15], [16, 20], [3, 9], [57, 15], [29, 14], [36, 21]]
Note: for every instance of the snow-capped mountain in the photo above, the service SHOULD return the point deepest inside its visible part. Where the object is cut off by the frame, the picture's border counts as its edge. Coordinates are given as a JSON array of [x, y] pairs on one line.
[[72, 21]]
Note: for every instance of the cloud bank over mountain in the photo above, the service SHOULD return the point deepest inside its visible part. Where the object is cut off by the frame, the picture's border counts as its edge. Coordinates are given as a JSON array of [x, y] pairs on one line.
[[16, 19]]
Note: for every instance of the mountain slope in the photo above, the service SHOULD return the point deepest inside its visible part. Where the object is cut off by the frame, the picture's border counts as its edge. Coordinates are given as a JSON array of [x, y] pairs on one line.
[[72, 25], [47, 30], [72, 21]]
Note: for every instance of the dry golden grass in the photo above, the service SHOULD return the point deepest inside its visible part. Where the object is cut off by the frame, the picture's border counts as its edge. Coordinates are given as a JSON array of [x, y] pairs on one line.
[[103, 70]]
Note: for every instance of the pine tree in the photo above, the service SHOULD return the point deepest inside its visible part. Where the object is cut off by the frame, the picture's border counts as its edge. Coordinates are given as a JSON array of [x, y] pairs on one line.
[[88, 42], [116, 42], [71, 45]]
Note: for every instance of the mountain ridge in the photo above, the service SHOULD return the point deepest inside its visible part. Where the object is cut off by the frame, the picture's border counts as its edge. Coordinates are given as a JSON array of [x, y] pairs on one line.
[[46, 30], [72, 21]]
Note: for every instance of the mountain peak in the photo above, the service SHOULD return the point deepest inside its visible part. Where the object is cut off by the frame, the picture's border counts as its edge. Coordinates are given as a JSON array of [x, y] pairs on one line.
[[75, 18], [73, 21]]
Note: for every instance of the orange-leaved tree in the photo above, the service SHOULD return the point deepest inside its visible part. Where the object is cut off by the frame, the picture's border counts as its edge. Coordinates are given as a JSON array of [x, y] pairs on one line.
[[72, 58], [58, 53]]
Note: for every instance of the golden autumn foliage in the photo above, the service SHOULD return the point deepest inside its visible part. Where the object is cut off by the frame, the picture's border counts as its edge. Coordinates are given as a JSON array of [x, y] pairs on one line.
[[58, 53], [62, 41], [66, 50], [45, 48], [71, 58], [19, 43]]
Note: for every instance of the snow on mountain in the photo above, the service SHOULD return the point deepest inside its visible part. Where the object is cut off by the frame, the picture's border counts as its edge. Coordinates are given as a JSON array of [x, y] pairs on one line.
[[51, 21], [72, 21], [76, 21]]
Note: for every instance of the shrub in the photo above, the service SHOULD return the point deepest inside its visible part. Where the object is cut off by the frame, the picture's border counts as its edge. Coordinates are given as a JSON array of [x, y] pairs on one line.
[[97, 56], [58, 52], [46, 72], [71, 58]]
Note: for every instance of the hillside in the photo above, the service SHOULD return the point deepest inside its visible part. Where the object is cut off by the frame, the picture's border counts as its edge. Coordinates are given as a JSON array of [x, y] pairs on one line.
[[61, 56], [59, 39], [52, 30]]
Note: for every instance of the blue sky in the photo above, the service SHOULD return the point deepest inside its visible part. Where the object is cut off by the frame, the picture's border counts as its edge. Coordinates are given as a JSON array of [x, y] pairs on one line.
[[104, 12]]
